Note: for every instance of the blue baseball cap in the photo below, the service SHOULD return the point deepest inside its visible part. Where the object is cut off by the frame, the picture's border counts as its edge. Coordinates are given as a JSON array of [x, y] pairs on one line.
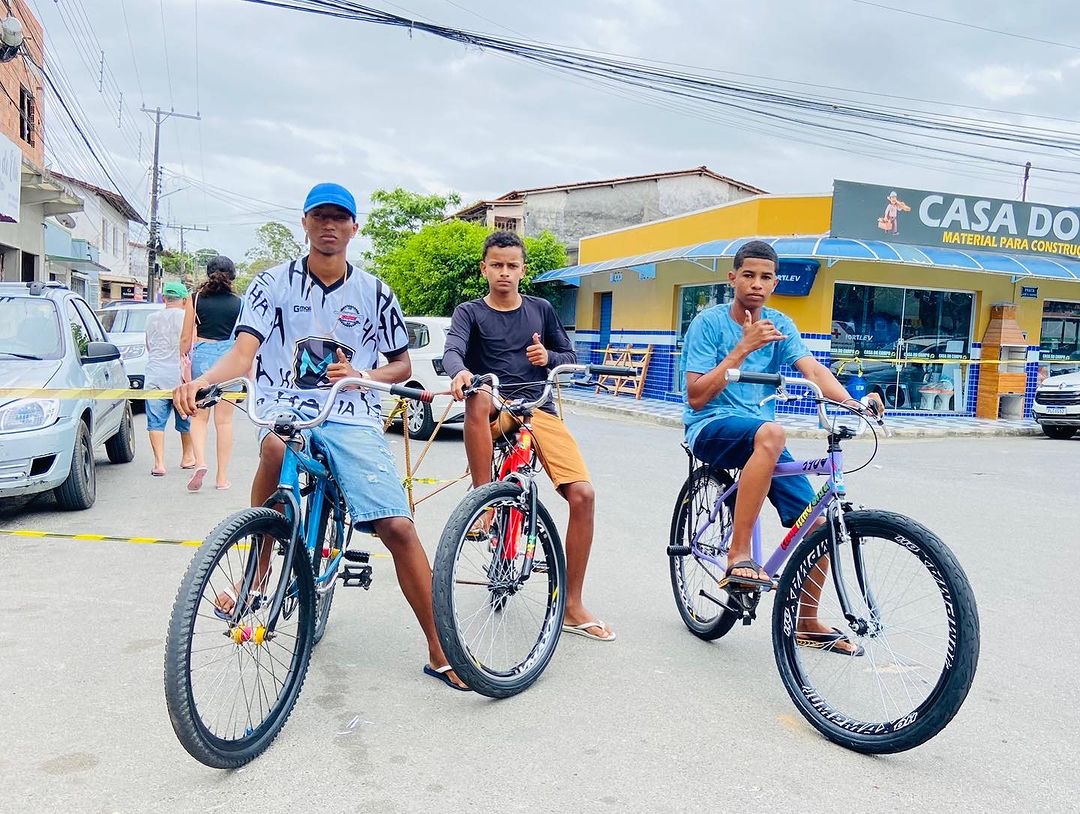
[[334, 194]]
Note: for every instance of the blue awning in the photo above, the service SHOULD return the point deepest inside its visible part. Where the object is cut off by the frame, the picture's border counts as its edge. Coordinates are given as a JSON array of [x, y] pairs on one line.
[[1027, 266]]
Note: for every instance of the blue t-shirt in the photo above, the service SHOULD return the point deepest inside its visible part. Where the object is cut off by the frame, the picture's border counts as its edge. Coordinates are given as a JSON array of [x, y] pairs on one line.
[[711, 337]]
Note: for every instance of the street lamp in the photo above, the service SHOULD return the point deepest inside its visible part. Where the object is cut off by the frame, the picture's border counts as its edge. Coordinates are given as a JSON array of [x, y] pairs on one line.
[[11, 38]]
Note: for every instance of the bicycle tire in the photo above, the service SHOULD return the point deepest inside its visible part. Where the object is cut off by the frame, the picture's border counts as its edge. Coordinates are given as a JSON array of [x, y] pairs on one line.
[[692, 507], [470, 666], [330, 536], [959, 626], [194, 734]]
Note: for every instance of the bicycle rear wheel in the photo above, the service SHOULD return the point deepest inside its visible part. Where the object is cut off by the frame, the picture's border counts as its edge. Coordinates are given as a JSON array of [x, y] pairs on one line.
[[693, 579], [915, 622], [229, 688], [498, 632]]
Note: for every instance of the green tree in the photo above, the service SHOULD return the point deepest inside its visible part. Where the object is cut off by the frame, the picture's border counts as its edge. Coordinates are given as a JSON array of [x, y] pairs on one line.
[[204, 256], [435, 269], [396, 215], [276, 244]]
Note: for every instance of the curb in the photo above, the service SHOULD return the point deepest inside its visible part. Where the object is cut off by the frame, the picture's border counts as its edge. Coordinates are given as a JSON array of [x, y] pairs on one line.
[[897, 429]]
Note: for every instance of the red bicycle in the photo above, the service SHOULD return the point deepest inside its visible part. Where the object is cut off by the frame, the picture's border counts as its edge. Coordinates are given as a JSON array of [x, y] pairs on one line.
[[500, 568]]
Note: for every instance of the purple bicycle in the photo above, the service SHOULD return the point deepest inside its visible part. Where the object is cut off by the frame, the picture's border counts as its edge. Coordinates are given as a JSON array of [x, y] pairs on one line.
[[902, 640]]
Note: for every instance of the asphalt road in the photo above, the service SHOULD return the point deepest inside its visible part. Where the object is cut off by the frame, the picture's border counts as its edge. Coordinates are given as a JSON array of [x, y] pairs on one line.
[[657, 721]]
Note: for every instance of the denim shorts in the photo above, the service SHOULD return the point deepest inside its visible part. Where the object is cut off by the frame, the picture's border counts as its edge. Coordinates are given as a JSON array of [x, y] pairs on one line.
[[205, 354], [364, 469], [157, 416], [728, 443]]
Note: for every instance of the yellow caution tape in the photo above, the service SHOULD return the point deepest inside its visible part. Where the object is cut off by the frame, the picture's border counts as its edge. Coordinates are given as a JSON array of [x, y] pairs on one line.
[[108, 538], [92, 393]]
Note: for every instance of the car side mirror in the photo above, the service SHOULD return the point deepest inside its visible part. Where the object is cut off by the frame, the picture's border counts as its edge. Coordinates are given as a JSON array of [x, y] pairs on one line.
[[99, 352]]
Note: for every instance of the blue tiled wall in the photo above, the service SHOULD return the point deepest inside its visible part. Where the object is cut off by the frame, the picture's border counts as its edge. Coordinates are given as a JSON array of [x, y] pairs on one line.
[[660, 381]]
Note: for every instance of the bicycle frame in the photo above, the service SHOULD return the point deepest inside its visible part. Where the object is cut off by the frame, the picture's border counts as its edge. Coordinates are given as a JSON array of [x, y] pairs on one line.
[[519, 466]]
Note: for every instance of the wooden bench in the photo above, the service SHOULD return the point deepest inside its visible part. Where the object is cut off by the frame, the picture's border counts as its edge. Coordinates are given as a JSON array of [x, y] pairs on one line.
[[629, 356]]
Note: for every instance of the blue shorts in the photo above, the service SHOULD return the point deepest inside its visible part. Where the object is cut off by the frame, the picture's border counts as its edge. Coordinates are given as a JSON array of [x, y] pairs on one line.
[[205, 354], [157, 416], [728, 443], [364, 469]]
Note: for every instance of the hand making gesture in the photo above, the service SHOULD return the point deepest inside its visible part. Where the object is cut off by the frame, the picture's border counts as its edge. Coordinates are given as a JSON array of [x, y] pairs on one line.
[[759, 334], [536, 352]]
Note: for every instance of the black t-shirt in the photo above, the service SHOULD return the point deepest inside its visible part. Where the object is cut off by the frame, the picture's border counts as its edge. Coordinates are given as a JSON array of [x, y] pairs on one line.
[[483, 340], [215, 315]]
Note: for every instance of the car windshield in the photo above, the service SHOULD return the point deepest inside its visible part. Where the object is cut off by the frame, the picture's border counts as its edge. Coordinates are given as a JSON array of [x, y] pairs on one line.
[[29, 329], [135, 321]]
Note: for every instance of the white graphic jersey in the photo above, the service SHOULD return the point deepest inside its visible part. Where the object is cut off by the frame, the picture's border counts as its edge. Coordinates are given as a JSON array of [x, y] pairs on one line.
[[301, 324]]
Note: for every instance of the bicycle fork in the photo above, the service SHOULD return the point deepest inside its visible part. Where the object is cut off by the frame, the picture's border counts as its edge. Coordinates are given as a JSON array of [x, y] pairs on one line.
[[840, 536]]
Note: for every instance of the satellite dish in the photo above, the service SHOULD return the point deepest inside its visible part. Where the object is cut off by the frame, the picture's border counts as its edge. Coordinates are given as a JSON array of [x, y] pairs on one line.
[[66, 221]]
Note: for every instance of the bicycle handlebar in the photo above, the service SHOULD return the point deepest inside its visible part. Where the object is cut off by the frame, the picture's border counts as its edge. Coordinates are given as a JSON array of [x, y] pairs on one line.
[[779, 381], [593, 370], [214, 392]]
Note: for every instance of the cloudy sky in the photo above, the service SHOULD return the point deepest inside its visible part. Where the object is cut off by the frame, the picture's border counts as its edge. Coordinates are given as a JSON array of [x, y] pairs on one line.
[[288, 99]]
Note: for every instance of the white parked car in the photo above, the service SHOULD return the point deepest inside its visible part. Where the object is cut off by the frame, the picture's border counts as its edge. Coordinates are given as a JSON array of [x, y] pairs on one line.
[[427, 340], [1057, 405], [125, 323]]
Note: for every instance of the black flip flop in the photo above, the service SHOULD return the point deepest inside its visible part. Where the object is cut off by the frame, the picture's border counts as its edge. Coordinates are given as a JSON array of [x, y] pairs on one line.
[[745, 583], [440, 674], [829, 642]]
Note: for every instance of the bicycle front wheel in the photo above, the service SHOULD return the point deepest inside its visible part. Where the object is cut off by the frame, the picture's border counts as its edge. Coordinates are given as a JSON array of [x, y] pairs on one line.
[[906, 662], [230, 683], [498, 628]]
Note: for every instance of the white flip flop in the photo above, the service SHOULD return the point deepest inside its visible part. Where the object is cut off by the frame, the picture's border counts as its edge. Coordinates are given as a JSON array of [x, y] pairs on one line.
[[584, 628]]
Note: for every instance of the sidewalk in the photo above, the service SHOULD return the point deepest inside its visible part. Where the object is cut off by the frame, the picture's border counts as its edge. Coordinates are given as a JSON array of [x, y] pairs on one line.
[[669, 414]]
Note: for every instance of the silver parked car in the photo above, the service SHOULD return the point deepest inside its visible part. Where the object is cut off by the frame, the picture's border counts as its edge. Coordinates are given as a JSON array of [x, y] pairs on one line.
[[1057, 405], [49, 338], [125, 324]]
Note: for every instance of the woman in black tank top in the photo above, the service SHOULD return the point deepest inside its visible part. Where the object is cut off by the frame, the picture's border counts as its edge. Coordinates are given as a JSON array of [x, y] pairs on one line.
[[208, 335]]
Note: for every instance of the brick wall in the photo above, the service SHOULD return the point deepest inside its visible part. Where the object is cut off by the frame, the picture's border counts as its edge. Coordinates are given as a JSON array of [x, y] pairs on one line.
[[16, 75]]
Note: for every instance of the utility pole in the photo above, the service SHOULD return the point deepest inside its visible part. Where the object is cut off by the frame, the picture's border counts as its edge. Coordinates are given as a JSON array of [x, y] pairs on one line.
[[159, 116], [183, 229], [1027, 174]]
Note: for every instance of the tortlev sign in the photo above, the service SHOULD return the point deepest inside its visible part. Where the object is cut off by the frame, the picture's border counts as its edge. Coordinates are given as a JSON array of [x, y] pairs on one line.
[[921, 217]]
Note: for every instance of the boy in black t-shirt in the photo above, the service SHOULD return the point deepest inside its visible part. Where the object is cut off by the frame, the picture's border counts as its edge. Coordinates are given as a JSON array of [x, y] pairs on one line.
[[519, 339]]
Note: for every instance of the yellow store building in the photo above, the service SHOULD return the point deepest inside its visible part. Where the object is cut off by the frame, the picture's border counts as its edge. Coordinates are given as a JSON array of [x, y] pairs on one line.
[[894, 288]]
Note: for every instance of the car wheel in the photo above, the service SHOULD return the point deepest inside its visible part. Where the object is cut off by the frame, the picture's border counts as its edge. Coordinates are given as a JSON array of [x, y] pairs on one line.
[[420, 421], [121, 447], [80, 489], [1059, 433]]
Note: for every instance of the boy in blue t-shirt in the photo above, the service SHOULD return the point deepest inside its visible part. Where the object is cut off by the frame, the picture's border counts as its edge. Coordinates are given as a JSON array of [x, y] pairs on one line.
[[727, 427]]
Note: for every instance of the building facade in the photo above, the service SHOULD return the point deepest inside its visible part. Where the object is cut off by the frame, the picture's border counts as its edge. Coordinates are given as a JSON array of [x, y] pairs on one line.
[[28, 193], [104, 226], [903, 319]]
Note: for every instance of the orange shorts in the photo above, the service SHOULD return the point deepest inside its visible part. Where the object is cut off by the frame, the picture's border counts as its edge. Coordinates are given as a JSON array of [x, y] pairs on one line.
[[556, 447]]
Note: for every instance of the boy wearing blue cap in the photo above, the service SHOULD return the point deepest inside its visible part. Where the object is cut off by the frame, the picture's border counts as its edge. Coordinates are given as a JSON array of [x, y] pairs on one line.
[[304, 325]]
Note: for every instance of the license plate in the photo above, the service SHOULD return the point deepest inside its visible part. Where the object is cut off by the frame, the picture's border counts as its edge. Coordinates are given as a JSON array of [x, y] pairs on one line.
[[1055, 411]]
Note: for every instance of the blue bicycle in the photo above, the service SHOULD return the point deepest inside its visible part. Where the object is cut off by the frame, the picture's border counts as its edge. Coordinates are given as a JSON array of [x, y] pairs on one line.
[[256, 597], [874, 624]]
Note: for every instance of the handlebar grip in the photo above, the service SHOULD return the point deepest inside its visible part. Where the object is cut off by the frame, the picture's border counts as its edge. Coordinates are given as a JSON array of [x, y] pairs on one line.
[[203, 393], [771, 379], [611, 370], [411, 393]]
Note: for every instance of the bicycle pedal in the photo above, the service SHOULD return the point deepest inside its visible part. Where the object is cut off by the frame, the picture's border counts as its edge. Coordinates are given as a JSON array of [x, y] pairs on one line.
[[356, 576], [678, 550], [357, 556]]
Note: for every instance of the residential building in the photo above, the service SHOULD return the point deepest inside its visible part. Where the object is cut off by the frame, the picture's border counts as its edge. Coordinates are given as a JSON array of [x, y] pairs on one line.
[[104, 225], [577, 210], [28, 193]]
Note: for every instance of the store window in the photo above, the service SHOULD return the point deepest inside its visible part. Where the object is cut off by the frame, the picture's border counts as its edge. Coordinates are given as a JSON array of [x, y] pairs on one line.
[[906, 344], [1059, 340], [693, 299]]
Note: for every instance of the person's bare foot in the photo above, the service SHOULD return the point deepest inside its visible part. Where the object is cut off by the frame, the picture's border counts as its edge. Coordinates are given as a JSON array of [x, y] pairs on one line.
[[587, 623], [449, 675], [810, 632]]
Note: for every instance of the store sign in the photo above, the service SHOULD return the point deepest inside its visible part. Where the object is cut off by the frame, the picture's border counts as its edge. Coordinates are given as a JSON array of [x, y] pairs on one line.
[[10, 180], [901, 215], [796, 277], [1029, 292]]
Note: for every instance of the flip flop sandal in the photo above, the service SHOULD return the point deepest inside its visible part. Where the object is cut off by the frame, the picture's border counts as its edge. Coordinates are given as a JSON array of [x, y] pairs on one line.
[[255, 602], [195, 484], [158, 473], [440, 674], [745, 583], [584, 628], [829, 642]]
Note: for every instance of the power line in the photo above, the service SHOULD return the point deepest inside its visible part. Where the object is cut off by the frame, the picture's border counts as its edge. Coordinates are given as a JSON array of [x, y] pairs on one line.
[[963, 24], [131, 46]]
